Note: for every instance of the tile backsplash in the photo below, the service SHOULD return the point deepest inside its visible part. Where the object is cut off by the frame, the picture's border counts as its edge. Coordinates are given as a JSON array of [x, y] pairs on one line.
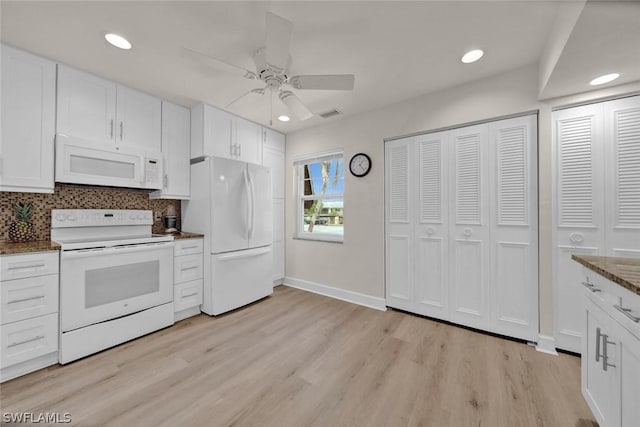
[[67, 196]]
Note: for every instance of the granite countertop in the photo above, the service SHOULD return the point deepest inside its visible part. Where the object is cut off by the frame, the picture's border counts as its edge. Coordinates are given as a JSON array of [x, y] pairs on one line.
[[623, 271], [37, 246], [186, 235]]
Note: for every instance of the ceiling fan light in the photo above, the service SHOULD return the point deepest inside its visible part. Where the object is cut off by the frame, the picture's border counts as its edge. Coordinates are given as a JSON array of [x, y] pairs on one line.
[[118, 41], [604, 79], [284, 118], [472, 56]]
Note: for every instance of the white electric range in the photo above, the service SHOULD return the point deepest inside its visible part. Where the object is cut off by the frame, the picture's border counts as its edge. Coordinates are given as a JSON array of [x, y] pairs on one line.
[[116, 278]]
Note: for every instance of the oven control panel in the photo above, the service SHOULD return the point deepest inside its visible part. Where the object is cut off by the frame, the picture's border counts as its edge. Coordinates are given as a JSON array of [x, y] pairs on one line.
[[61, 218]]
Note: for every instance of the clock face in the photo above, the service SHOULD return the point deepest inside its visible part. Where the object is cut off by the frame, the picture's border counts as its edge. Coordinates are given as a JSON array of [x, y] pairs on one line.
[[360, 165]]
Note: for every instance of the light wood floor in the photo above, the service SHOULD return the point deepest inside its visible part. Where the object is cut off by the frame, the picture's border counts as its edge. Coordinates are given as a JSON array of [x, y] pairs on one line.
[[300, 359]]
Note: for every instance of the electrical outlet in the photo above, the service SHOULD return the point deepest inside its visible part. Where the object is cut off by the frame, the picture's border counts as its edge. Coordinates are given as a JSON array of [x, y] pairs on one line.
[[158, 215]]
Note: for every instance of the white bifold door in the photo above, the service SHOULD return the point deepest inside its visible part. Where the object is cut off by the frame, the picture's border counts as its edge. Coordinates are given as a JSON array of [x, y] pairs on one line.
[[461, 226], [596, 209]]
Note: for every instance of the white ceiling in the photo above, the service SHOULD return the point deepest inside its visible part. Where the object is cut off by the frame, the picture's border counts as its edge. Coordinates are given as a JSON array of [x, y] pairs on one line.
[[397, 50]]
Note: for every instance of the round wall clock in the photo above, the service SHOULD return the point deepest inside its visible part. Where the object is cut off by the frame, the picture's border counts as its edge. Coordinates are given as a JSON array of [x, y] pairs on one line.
[[360, 165]]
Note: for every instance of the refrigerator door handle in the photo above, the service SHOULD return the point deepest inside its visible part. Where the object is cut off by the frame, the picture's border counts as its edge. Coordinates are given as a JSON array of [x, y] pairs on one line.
[[249, 201], [245, 254], [252, 210]]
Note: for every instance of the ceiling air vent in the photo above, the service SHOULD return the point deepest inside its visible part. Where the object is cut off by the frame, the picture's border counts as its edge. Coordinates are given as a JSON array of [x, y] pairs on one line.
[[330, 113]]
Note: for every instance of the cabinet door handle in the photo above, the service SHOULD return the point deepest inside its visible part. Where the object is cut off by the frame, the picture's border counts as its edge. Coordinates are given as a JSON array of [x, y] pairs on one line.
[[121, 130], [111, 129], [598, 337], [605, 353], [627, 312], [232, 149], [239, 150], [15, 301], [165, 178], [36, 338]]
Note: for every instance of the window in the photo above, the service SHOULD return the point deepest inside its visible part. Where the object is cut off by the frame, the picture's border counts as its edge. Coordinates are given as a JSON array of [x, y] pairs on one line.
[[321, 197]]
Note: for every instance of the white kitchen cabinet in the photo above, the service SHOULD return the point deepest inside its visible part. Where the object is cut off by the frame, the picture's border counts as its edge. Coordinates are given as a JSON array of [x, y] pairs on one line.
[[596, 174], [29, 308], [176, 152], [273, 156], [461, 226], [100, 110], [610, 351], [187, 277], [28, 122], [218, 133]]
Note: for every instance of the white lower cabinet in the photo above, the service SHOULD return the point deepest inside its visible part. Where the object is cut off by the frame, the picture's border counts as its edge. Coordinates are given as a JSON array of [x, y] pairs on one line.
[[461, 226], [29, 313], [611, 353], [187, 277]]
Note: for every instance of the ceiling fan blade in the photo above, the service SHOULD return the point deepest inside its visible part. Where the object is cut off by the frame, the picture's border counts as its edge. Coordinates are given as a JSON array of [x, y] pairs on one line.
[[258, 91], [278, 41], [217, 64], [324, 82], [296, 106]]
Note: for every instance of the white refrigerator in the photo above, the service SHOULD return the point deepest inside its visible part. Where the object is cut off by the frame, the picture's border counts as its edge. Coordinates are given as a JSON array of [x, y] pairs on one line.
[[231, 205]]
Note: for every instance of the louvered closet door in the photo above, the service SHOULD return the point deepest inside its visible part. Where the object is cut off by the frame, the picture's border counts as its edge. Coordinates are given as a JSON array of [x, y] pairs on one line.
[[578, 212], [399, 223], [622, 194], [431, 229], [469, 231], [514, 231]]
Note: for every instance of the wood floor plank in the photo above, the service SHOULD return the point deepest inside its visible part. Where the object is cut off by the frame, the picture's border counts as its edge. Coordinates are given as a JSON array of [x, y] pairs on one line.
[[301, 359]]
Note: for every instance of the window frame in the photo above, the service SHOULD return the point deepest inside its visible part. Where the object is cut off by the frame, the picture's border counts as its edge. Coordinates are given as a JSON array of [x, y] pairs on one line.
[[299, 165]]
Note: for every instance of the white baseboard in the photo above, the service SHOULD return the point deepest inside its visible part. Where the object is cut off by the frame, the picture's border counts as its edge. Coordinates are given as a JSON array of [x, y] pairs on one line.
[[341, 294], [546, 344]]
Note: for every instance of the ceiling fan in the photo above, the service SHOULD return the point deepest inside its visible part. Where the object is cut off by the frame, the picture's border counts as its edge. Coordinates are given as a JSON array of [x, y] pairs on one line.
[[273, 62]]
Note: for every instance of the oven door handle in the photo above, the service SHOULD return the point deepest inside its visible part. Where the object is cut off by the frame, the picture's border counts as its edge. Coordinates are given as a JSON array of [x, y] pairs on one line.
[[86, 253]]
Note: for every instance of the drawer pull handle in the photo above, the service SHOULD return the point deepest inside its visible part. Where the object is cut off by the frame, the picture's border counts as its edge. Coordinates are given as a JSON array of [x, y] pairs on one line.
[[627, 312], [25, 299], [605, 353], [190, 268], [190, 295], [591, 287], [22, 267], [15, 344], [598, 338], [190, 247]]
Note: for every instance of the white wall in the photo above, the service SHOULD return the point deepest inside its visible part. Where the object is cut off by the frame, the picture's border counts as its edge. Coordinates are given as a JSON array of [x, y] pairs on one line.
[[357, 265]]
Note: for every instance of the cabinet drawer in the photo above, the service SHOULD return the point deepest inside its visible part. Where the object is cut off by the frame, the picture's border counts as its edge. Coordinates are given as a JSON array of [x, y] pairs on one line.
[[187, 268], [25, 298], [28, 265], [187, 247], [625, 308], [187, 295], [28, 339]]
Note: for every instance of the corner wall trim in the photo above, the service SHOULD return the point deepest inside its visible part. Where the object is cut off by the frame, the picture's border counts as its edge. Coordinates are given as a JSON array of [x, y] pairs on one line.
[[546, 344], [341, 294]]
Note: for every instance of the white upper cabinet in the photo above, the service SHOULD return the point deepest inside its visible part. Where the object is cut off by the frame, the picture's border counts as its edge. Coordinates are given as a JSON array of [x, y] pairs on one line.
[[176, 150], [138, 116], [217, 133], [28, 122], [100, 110]]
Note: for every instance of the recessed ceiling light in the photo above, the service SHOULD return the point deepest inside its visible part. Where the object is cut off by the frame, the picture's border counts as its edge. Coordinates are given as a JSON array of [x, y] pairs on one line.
[[284, 118], [472, 56], [118, 41], [604, 79]]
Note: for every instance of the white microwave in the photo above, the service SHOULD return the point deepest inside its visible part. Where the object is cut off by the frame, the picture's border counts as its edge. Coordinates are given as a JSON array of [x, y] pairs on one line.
[[79, 161]]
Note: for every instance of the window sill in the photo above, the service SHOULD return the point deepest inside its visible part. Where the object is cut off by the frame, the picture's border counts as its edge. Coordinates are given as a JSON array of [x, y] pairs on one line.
[[325, 239]]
